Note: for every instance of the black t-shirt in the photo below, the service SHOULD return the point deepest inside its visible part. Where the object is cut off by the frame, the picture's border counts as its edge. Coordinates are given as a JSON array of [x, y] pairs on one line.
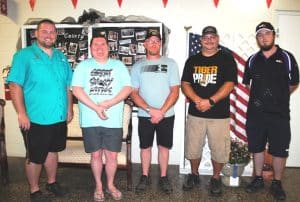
[[206, 75], [270, 79]]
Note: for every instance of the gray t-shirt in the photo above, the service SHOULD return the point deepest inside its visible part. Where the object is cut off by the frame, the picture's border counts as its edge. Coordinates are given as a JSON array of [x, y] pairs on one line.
[[154, 78]]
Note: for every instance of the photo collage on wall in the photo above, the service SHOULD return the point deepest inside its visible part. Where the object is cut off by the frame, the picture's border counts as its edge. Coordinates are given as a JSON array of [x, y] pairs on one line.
[[72, 41], [125, 43]]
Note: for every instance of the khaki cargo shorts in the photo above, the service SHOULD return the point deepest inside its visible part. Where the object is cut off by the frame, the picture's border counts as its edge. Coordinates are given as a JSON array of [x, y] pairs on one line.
[[217, 132]]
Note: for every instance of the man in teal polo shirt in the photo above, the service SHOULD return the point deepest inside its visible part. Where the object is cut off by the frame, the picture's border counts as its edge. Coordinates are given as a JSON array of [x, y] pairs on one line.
[[39, 84]]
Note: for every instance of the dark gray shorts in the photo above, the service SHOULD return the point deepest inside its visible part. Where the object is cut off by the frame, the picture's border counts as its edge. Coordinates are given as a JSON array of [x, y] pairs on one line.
[[95, 138]]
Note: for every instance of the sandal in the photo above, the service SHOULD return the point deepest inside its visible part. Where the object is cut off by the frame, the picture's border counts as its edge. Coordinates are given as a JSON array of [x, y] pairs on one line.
[[116, 195], [98, 196]]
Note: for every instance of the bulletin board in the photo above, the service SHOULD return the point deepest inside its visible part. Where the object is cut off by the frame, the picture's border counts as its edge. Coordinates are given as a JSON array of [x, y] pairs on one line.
[[126, 40]]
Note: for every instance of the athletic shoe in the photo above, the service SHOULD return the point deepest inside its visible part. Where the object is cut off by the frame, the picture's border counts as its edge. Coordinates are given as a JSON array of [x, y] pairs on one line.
[[277, 191], [215, 188], [143, 183], [56, 189], [256, 185], [165, 185], [38, 196], [192, 180]]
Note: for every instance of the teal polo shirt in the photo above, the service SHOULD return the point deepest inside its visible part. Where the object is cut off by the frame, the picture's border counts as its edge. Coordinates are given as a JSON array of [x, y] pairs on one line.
[[44, 81]]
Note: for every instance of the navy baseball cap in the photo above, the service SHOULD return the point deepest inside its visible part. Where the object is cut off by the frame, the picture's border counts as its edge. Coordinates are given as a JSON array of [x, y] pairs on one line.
[[209, 30], [264, 26]]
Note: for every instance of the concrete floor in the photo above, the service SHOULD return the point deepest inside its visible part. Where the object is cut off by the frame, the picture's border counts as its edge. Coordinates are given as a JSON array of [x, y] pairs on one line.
[[80, 185]]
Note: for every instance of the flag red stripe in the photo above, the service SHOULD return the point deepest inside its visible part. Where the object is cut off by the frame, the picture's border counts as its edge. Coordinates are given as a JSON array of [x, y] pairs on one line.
[[243, 88], [241, 99], [239, 59], [238, 134]]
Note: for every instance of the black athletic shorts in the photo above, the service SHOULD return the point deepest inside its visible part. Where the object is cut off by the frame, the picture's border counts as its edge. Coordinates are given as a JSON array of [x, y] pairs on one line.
[[164, 132], [41, 139], [272, 129]]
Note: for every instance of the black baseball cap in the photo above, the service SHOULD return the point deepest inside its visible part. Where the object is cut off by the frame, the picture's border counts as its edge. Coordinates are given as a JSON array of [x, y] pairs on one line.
[[153, 32], [264, 26], [209, 30]]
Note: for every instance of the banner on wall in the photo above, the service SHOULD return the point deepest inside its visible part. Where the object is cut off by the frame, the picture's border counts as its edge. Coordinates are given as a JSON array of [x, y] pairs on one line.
[[3, 4], [239, 96], [3, 7]]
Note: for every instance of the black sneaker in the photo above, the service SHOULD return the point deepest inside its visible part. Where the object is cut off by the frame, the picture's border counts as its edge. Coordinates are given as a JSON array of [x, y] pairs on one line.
[[215, 188], [38, 196], [165, 185], [56, 189], [192, 180], [143, 183], [277, 191], [256, 185]]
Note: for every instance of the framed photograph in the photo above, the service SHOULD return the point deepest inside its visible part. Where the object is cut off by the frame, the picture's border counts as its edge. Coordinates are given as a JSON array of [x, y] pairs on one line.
[[125, 41], [71, 58], [140, 36], [113, 46], [127, 33], [72, 48], [141, 48], [83, 45], [112, 36], [114, 56], [127, 60], [123, 50], [82, 55], [132, 49]]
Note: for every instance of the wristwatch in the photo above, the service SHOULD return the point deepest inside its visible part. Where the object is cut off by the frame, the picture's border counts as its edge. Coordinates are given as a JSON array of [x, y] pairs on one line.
[[147, 110], [211, 102]]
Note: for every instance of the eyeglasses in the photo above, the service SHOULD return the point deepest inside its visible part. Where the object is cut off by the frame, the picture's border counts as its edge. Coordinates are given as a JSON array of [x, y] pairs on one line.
[[153, 41], [207, 38]]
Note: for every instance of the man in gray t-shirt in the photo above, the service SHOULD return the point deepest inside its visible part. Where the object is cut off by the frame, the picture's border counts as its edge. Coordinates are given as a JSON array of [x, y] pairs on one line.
[[156, 89]]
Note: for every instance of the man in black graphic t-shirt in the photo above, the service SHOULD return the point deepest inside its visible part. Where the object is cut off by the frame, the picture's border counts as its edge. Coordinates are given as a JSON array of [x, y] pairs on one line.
[[207, 80]]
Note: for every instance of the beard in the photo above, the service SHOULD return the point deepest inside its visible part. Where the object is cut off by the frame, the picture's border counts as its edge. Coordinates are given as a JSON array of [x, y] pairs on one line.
[[266, 47], [153, 53], [46, 45]]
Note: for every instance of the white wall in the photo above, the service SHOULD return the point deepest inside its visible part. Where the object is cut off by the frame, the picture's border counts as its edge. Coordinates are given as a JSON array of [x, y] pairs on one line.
[[231, 16]]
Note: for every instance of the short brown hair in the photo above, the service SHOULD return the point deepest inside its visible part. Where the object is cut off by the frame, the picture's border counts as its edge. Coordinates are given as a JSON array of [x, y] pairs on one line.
[[45, 21], [100, 36]]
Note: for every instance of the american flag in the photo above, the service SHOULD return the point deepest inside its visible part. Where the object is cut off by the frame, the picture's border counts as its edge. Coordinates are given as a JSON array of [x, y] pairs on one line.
[[239, 96]]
